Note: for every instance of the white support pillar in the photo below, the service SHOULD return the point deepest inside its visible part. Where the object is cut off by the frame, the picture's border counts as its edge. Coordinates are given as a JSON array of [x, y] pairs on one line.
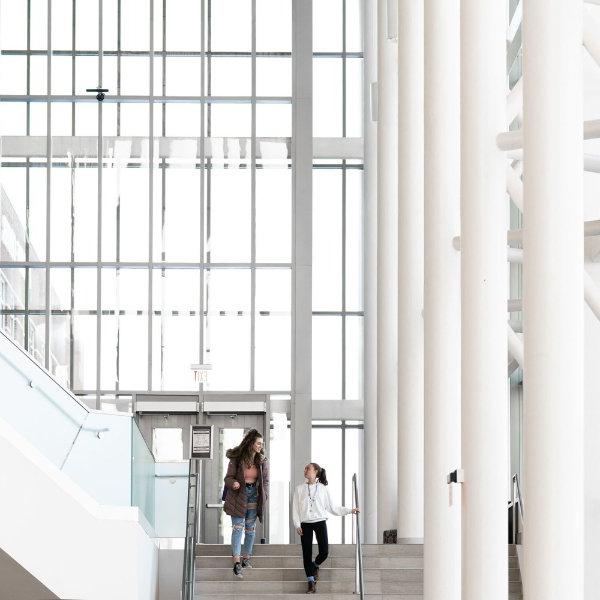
[[554, 390], [410, 270], [442, 298], [484, 293], [302, 155], [369, 479], [387, 275]]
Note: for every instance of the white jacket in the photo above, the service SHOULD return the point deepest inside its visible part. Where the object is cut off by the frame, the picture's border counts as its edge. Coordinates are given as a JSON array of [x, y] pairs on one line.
[[314, 508]]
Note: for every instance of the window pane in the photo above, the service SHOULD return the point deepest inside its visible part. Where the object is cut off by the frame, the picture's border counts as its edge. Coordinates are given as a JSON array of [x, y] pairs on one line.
[[176, 296], [183, 76], [230, 120], [273, 214], [125, 291], [39, 24], [274, 25], [84, 351], [183, 120], [135, 31], [354, 97], [227, 329], [327, 97], [13, 75], [354, 21], [230, 76], [183, 25], [167, 444], [86, 25], [181, 231], [37, 213], [60, 215], [328, 26], [85, 207], [228, 33], [273, 329], [273, 76], [354, 239], [327, 239], [327, 453], [13, 24], [327, 358], [352, 465], [228, 222], [354, 358], [274, 120]]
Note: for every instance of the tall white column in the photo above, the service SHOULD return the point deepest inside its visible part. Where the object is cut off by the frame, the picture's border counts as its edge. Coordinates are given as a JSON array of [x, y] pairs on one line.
[[387, 275], [369, 479], [484, 292], [302, 155], [410, 269], [442, 298], [553, 287]]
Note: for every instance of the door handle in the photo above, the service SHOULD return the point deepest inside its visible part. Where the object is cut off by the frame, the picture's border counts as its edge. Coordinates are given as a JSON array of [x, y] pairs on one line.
[[219, 505]]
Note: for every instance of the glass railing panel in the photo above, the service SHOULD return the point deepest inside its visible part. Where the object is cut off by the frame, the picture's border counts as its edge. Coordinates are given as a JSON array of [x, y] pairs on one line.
[[142, 475], [99, 460], [36, 406], [171, 498]]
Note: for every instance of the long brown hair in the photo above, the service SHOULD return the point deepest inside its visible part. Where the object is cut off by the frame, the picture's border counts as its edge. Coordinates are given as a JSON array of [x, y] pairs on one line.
[[321, 474], [244, 451]]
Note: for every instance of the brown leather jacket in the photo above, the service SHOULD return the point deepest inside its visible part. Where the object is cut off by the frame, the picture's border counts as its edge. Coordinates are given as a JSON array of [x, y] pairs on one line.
[[235, 500]]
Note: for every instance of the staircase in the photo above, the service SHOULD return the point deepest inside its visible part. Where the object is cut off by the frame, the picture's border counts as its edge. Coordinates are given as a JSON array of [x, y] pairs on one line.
[[391, 572]]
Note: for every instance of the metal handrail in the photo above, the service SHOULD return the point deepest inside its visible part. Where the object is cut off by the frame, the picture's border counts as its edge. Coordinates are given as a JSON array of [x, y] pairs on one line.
[[518, 513], [359, 558], [189, 550]]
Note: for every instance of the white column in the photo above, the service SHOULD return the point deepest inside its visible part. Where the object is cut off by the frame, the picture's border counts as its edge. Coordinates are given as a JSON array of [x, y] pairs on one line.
[[553, 282], [369, 478], [302, 154], [410, 270], [484, 293], [442, 298], [387, 275]]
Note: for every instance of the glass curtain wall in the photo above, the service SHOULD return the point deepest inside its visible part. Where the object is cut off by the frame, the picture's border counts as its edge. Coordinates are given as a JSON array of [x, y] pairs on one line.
[[152, 229], [338, 310]]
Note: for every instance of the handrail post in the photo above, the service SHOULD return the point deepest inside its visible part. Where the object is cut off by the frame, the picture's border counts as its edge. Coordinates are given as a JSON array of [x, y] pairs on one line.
[[359, 566]]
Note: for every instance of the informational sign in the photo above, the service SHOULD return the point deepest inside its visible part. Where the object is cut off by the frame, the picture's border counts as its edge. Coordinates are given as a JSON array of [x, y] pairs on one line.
[[201, 442]]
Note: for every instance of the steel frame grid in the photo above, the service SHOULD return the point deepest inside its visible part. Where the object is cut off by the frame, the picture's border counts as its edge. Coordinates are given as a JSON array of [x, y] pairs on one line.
[[164, 53]]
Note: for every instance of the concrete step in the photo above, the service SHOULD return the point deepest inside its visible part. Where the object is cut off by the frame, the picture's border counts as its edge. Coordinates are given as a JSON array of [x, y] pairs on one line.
[[335, 550], [261, 588], [322, 596], [297, 574], [290, 562], [326, 574]]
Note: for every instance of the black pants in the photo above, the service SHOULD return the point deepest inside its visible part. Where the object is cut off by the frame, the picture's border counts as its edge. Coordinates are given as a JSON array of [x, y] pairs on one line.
[[320, 529]]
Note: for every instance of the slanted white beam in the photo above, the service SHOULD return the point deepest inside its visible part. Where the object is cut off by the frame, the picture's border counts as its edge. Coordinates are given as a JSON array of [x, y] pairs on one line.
[[592, 293], [514, 187], [591, 162], [514, 102], [515, 346], [513, 140], [591, 36]]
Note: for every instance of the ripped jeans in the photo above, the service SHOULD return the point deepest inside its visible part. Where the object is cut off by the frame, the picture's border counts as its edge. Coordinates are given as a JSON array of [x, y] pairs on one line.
[[245, 525]]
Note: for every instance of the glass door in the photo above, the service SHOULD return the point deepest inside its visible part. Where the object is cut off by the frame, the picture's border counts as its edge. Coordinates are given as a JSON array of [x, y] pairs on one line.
[[229, 431]]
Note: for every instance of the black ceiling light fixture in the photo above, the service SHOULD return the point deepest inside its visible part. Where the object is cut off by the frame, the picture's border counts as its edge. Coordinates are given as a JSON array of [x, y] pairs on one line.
[[100, 95]]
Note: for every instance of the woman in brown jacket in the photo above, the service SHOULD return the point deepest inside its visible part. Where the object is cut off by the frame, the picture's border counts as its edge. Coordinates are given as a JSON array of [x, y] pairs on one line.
[[247, 490]]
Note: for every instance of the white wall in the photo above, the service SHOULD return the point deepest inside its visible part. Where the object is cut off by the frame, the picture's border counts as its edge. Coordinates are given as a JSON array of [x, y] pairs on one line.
[[65, 539]]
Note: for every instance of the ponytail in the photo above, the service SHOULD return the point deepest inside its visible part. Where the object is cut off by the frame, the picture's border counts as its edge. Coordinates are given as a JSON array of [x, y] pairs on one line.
[[321, 474]]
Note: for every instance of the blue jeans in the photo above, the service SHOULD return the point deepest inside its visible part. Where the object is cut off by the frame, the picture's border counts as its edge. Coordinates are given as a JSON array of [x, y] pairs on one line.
[[245, 525]]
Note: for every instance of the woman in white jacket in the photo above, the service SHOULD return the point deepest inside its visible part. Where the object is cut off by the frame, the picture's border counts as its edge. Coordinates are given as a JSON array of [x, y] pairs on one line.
[[310, 508]]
